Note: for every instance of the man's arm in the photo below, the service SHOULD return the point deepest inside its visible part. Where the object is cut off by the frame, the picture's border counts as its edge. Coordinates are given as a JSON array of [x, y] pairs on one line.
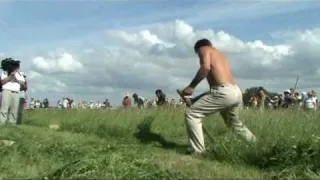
[[22, 82], [6, 78], [24, 85], [203, 70]]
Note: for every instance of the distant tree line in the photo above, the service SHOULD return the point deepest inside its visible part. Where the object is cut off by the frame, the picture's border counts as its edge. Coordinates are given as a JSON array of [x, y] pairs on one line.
[[254, 91]]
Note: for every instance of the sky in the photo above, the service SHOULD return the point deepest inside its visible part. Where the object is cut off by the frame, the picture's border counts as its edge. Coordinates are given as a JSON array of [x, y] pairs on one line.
[[93, 50]]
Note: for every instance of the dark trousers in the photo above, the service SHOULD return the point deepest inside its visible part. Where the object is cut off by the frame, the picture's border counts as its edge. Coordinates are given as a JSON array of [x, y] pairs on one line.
[[20, 111]]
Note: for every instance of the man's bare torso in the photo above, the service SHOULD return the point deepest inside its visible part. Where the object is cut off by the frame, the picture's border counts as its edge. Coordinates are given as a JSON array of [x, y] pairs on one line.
[[220, 72]]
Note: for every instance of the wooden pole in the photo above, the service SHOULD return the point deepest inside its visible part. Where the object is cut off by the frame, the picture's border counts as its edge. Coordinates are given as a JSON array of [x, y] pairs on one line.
[[296, 84]]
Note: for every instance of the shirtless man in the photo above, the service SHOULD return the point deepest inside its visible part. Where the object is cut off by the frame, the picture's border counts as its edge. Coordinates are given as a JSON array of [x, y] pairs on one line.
[[224, 97]]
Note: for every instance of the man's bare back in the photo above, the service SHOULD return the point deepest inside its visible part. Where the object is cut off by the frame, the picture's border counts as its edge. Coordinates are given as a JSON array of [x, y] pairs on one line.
[[213, 66], [220, 72]]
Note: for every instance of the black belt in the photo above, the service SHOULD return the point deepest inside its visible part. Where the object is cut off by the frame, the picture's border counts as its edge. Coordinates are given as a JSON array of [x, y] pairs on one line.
[[217, 86]]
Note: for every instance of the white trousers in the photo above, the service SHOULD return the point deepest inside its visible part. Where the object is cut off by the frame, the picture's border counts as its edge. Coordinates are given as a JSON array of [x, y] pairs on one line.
[[9, 107], [225, 99]]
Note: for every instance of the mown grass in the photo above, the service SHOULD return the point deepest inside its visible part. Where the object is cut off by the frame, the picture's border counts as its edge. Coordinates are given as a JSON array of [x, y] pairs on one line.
[[150, 144]]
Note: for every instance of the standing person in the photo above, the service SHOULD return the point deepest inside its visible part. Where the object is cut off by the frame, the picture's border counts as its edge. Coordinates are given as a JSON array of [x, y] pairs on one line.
[[65, 103], [314, 98], [262, 98], [45, 103], [0, 97], [22, 99], [138, 100], [106, 103], [126, 102], [224, 97], [12, 83], [161, 97], [309, 103]]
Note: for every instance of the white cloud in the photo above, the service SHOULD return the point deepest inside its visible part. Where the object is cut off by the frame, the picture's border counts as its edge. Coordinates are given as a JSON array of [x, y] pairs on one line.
[[61, 63], [162, 57], [33, 75]]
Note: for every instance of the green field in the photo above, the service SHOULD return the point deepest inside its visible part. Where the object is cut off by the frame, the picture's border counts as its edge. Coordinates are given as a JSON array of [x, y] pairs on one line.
[[150, 144]]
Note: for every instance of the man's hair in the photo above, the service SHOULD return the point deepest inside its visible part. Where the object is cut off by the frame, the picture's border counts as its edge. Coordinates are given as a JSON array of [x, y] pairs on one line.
[[9, 64], [200, 43]]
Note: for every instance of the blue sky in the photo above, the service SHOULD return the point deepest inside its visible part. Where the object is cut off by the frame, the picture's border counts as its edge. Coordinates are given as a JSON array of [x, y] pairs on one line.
[[46, 22], [38, 28]]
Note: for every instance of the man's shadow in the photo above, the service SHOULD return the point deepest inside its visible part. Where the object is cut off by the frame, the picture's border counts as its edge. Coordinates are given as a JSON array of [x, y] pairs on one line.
[[145, 136]]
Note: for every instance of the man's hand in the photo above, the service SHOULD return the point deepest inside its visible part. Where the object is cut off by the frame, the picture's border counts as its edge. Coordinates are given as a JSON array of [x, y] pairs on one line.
[[14, 79], [188, 91], [10, 78]]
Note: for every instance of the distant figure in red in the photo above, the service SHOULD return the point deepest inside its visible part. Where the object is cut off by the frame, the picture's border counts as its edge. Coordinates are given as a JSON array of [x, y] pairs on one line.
[[126, 102], [70, 101]]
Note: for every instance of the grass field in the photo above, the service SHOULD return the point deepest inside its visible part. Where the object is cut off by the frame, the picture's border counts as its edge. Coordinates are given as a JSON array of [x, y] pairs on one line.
[[149, 144]]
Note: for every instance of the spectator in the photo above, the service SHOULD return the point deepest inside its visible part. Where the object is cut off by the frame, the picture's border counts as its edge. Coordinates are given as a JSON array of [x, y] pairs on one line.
[[161, 97], [262, 98], [254, 101], [275, 102], [65, 103], [173, 103], [32, 103], [0, 97], [22, 100], [12, 82], [289, 100], [70, 102], [309, 103], [38, 104], [138, 100], [59, 104], [45, 103], [126, 102], [106, 103], [314, 98]]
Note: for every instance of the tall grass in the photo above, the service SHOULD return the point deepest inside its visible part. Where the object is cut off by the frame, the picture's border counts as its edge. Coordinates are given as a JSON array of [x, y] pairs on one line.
[[150, 144]]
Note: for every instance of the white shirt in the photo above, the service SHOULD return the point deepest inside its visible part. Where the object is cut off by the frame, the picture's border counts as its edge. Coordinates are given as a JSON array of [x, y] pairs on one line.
[[38, 104], [12, 86], [309, 103], [65, 103], [314, 99]]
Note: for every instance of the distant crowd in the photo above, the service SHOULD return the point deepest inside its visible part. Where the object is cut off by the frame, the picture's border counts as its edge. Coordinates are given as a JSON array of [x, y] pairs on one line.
[[127, 102], [289, 99]]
